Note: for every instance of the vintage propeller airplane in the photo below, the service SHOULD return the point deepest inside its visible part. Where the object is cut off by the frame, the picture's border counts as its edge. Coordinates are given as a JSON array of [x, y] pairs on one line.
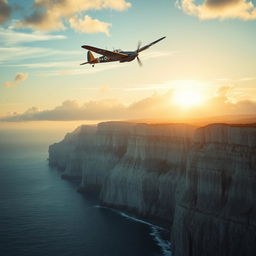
[[116, 55]]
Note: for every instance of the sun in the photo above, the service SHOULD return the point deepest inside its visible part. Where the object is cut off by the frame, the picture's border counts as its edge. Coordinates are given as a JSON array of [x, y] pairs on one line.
[[187, 97]]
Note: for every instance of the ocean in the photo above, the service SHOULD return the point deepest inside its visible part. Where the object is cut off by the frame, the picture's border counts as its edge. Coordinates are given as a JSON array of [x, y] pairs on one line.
[[41, 214]]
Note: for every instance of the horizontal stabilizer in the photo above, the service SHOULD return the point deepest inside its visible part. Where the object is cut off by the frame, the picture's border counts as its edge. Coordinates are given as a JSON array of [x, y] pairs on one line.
[[84, 63]]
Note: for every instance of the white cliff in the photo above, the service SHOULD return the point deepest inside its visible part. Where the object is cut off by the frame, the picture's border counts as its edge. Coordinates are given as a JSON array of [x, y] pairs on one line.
[[201, 181], [108, 147], [67, 155], [216, 211], [144, 180], [131, 166]]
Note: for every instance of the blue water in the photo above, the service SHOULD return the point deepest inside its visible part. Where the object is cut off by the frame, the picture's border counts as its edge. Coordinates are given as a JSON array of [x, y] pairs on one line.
[[41, 214]]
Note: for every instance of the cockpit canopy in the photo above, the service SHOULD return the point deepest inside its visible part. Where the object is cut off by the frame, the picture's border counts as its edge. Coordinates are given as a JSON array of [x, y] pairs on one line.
[[117, 50]]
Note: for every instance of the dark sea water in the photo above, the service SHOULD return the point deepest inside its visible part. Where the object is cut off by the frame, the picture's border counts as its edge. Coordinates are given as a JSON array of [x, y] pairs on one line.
[[41, 214]]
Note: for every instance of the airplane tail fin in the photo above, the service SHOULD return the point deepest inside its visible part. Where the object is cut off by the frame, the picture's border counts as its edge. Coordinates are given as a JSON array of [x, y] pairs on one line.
[[90, 56]]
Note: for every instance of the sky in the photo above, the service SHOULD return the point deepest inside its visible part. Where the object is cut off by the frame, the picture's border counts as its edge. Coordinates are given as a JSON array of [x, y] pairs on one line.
[[206, 65]]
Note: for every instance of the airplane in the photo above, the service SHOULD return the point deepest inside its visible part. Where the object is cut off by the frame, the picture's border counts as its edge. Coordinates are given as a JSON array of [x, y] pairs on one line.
[[115, 55]]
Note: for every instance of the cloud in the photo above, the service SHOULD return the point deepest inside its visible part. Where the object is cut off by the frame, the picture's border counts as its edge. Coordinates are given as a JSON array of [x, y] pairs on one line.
[[71, 110], [5, 11], [156, 106], [59, 64], [15, 54], [50, 15], [224, 90], [89, 25], [18, 78], [11, 37], [72, 71], [219, 9], [12, 50]]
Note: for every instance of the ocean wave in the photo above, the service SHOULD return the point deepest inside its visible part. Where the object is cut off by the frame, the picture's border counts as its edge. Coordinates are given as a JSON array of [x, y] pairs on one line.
[[156, 231]]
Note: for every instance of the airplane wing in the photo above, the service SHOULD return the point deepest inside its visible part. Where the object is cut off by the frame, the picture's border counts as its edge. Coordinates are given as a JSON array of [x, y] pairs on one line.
[[148, 45], [107, 53]]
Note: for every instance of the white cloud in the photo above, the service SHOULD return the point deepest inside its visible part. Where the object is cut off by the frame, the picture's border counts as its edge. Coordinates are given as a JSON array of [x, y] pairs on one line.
[[11, 37], [18, 53], [60, 64], [50, 15], [85, 70], [15, 54], [13, 51], [156, 106], [89, 25], [71, 110], [219, 9]]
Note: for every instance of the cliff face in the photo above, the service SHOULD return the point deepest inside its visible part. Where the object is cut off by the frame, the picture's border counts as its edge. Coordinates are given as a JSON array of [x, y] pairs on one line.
[[68, 154], [130, 166], [216, 211], [202, 181], [108, 147], [144, 180]]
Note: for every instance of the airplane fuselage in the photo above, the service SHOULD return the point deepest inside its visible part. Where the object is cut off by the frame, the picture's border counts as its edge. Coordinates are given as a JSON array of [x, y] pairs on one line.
[[131, 56]]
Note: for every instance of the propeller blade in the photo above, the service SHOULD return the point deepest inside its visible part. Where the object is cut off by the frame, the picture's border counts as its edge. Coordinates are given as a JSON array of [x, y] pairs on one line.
[[139, 62], [139, 45]]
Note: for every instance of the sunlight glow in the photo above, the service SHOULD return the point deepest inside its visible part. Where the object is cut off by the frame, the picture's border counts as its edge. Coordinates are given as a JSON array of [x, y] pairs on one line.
[[187, 97]]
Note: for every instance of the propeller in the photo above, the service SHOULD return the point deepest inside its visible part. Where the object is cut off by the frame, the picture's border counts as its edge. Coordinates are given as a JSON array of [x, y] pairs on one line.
[[139, 62], [137, 51], [138, 47]]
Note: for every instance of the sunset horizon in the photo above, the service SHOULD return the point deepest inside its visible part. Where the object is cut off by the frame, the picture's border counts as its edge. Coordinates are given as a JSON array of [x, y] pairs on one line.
[[204, 67]]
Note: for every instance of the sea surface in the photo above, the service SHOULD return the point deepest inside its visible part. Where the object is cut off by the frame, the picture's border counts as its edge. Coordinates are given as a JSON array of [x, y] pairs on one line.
[[41, 214]]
